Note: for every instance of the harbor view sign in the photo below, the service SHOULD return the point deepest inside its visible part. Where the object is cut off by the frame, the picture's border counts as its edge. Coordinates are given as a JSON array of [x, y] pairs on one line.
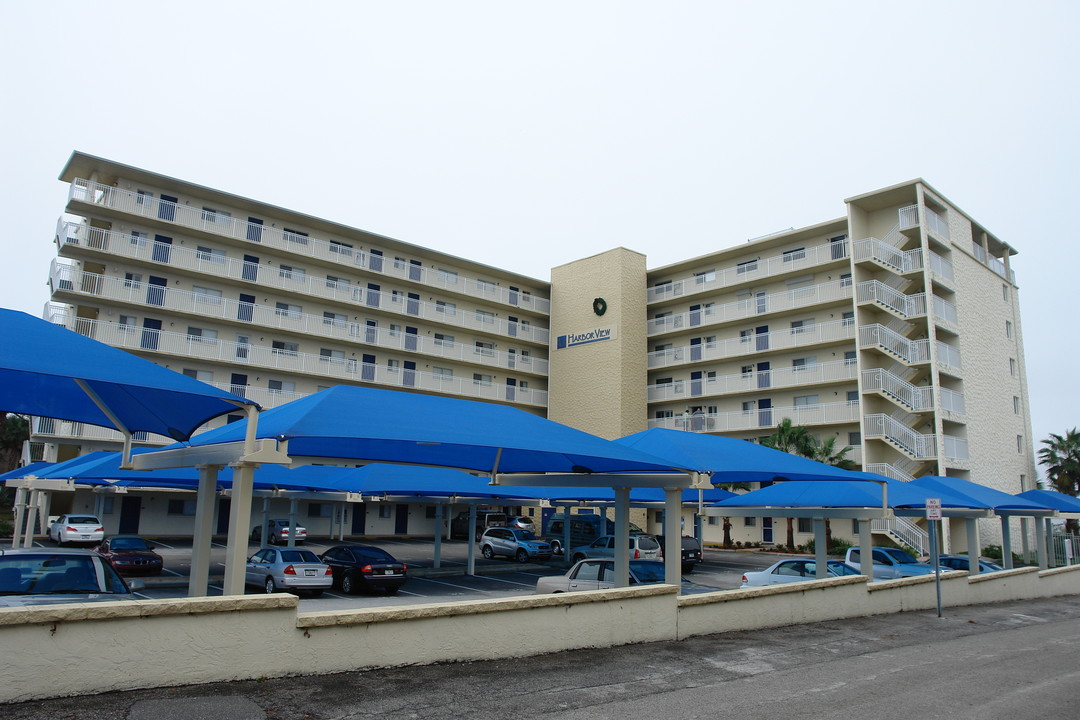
[[584, 338]]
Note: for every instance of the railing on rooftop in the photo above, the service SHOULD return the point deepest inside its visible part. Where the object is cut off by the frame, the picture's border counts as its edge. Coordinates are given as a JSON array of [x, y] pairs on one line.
[[220, 223]]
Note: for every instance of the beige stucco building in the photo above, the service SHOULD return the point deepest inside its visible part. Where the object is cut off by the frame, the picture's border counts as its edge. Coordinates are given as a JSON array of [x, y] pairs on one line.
[[894, 329]]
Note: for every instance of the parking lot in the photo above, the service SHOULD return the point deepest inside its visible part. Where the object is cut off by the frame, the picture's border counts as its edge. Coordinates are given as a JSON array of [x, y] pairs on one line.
[[719, 570]]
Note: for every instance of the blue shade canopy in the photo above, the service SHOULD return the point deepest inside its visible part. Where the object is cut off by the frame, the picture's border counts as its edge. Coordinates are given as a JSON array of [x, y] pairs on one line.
[[35, 468], [731, 460], [1052, 499], [41, 365], [1002, 503], [844, 494], [373, 425]]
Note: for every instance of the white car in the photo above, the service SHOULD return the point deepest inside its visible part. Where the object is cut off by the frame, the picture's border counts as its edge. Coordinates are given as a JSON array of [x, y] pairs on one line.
[[641, 547], [785, 571], [599, 574], [76, 527]]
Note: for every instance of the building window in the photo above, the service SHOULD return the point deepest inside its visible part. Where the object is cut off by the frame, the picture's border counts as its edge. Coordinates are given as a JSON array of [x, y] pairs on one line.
[[447, 308], [1008, 329], [485, 348], [485, 286], [400, 263], [128, 323], [341, 248], [749, 406], [447, 277], [209, 254], [286, 310], [794, 254], [706, 276], [442, 374], [336, 283], [664, 414], [714, 520], [1012, 366], [144, 197], [845, 279], [320, 510], [853, 396], [485, 316], [393, 330], [745, 335], [746, 370], [296, 236], [209, 214], [746, 266], [206, 295], [138, 239], [806, 525], [202, 335], [181, 507], [481, 379], [798, 364], [444, 340], [396, 295], [280, 386], [132, 280], [749, 522], [1019, 443], [205, 376], [807, 400], [280, 347], [1016, 405], [847, 319], [292, 273], [854, 439], [336, 357], [335, 319], [849, 357], [385, 510], [393, 365]]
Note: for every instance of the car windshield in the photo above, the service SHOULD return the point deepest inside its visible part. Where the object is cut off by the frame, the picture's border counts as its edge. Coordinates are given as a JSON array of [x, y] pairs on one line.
[[54, 574], [841, 568], [129, 544], [900, 556], [82, 520], [293, 556], [373, 555], [523, 534], [647, 572]]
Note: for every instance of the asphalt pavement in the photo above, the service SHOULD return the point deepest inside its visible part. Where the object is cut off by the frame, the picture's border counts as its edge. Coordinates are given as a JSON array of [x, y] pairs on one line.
[[1010, 660]]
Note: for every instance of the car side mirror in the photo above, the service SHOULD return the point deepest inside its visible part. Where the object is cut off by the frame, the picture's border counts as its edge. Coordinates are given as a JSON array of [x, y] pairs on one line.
[[136, 585]]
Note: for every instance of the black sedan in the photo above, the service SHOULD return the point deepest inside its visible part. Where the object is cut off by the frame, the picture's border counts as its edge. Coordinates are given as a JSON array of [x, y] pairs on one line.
[[364, 567], [130, 555]]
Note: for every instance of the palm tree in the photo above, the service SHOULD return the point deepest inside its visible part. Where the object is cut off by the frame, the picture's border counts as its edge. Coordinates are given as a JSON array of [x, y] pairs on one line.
[[731, 487], [1061, 458]]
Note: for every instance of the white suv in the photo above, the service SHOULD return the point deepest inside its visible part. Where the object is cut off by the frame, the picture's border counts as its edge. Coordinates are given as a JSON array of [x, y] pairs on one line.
[[642, 547], [519, 544]]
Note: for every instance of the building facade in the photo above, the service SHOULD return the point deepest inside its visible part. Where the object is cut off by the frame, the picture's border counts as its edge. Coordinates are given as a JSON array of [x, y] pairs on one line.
[[894, 330]]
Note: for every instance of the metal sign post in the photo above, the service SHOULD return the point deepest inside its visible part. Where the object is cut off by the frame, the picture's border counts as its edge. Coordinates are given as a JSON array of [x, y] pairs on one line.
[[933, 519]]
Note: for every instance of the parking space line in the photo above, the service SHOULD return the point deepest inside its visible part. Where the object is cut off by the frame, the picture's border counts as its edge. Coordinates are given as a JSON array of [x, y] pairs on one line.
[[158, 542], [171, 571], [508, 582], [461, 587]]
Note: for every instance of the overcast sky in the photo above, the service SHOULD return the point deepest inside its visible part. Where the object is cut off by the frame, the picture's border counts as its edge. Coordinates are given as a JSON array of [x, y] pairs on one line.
[[528, 135]]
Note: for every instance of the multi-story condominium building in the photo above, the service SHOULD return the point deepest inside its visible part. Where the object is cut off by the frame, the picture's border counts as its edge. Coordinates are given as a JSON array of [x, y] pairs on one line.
[[894, 329]]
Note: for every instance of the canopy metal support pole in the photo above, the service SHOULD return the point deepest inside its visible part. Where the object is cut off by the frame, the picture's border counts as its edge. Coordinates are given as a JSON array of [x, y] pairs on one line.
[[294, 505], [264, 528], [239, 517], [1025, 539], [20, 516], [206, 499], [622, 537], [1040, 544], [866, 548], [973, 546], [1051, 551], [125, 456], [470, 538], [673, 537], [33, 513], [1006, 544], [437, 559], [821, 552]]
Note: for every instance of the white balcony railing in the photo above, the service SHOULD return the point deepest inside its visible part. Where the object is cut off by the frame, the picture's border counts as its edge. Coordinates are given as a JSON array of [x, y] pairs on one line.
[[904, 530], [912, 352], [749, 271], [707, 315], [824, 414], [909, 217], [295, 243], [913, 397], [68, 279], [815, 374], [889, 470], [948, 356], [944, 310], [955, 448], [904, 305], [753, 344], [914, 444], [952, 401]]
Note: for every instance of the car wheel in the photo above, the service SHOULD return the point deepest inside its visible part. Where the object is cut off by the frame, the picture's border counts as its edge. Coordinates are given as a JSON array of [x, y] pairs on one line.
[[271, 539], [256, 534], [487, 552], [348, 585], [687, 569], [270, 585], [556, 547], [579, 557], [521, 556]]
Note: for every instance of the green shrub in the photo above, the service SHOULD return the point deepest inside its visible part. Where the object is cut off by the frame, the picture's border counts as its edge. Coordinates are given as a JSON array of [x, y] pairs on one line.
[[839, 546]]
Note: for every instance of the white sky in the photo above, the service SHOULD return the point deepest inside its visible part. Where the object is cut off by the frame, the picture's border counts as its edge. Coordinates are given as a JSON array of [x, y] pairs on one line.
[[528, 135]]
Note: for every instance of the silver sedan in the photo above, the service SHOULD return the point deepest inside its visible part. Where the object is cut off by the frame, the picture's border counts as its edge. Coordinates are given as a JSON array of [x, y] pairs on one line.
[[291, 569]]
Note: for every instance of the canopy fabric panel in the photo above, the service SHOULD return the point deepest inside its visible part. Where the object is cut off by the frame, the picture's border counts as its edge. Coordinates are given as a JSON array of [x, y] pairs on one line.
[[1053, 499], [41, 365], [34, 468], [731, 460], [1002, 503], [375, 425], [843, 494]]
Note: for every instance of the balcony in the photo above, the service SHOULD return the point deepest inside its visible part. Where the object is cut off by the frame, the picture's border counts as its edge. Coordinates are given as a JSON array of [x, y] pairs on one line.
[[815, 374], [754, 344], [750, 271], [84, 191], [752, 307], [763, 418], [64, 278], [935, 224]]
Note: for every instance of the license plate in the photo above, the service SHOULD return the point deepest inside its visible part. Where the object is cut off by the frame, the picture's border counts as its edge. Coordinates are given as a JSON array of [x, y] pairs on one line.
[[387, 572], [309, 573], [85, 537]]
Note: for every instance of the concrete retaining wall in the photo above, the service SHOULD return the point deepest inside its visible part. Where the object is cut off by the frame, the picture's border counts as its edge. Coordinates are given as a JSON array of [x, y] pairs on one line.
[[95, 647]]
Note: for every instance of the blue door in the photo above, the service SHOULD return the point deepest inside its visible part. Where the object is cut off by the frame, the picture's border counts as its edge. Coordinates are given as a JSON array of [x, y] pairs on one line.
[[761, 335], [367, 368], [695, 315], [130, 509], [695, 349], [414, 270], [373, 295], [514, 295], [155, 290], [764, 412], [410, 338], [245, 309], [401, 519], [412, 306], [695, 383], [151, 330], [764, 378], [375, 260], [766, 530], [167, 208], [371, 332], [408, 374], [223, 507], [254, 229], [251, 268], [359, 518], [511, 388], [162, 249]]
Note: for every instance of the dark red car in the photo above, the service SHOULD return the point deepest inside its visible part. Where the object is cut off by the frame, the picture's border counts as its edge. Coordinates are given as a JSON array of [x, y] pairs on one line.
[[130, 555]]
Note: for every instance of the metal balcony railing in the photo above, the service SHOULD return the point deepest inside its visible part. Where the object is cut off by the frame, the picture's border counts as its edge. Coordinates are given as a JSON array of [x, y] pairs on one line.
[[912, 352], [913, 397], [906, 306], [914, 444], [707, 315], [904, 530], [219, 223], [752, 344], [136, 291], [823, 414], [754, 381], [748, 271]]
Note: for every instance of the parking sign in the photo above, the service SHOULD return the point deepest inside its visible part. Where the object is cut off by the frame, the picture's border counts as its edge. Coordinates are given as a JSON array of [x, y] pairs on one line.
[[933, 508]]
